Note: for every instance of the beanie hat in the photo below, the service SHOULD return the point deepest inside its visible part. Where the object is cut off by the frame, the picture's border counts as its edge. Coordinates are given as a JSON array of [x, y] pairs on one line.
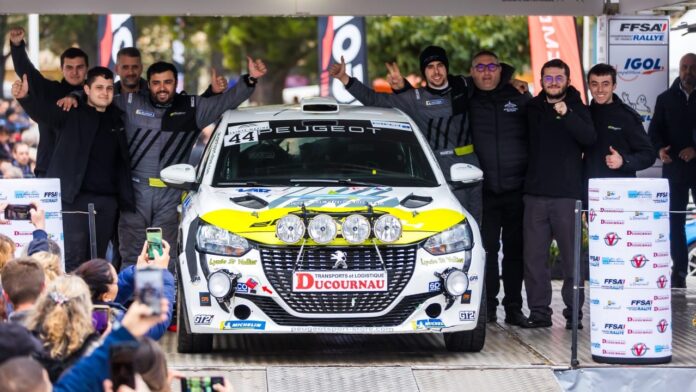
[[433, 53]]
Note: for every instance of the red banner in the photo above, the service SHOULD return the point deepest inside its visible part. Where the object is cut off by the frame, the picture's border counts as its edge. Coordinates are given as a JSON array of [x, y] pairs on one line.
[[555, 37]]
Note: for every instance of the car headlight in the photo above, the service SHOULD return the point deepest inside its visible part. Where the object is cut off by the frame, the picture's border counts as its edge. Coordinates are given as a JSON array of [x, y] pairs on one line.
[[387, 228], [290, 229], [322, 229], [455, 239], [355, 229], [212, 239], [219, 284], [456, 282]]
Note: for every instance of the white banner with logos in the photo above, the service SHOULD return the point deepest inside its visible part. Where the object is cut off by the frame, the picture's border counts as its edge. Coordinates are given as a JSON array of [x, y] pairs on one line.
[[25, 191], [638, 47], [629, 249]]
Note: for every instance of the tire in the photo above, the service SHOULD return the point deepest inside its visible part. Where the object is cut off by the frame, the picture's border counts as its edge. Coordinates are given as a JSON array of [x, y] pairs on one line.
[[470, 341], [691, 266], [188, 342]]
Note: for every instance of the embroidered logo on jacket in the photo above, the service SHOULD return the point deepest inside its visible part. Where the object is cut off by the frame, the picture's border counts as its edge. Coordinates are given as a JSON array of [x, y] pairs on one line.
[[141, 112], [510, 107], [434, 102], [613, 128]]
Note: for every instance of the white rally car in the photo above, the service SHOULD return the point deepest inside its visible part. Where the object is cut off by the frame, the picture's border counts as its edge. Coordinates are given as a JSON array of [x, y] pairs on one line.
[[325, 218]]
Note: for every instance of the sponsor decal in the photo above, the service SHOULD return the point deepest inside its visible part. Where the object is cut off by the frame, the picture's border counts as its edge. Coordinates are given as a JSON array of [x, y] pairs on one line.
[[253, 190], [593, 190], [660, 254], [638, 232], [639, 194], [640, 305], [243, 288], [639, 349], [26, 195], [594, 282], [427, 324], [638, 281], [53, 215], [660, 265], [595, 345], [204, 299], [202, 319], [643, 27], [633, 244], [251, 283], [613, 341], [213, 262], [632, 331], [473, 278], [640, 215], [662, 326], [467, 315], [614, 329], [611, 222], [611, 195], [442, 260], [594, 301], [611, 305], [639, 261], [662, 348], [391, 125], [509, 107], [466, 297], [594, 261], [614, 284], [593, 214], [613, 352], [660, 297], [634, 319], [662, 281], [3, 196], [265, 289], [20, 233], [434, 286], [611, 239], [612, 261], [141, 112], [242, 324], [594, 237], [593, 198], [661, 238], [339, 257], [341, 329], [339, 281], [661, 197], [611, 210], [660, 308], [660, 215]]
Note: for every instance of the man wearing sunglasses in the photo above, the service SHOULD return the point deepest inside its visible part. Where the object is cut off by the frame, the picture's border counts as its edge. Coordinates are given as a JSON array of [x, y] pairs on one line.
[[499, 128], [559, 128]]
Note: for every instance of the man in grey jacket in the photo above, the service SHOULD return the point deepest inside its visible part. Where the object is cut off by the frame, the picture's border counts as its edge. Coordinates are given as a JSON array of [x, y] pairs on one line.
[[439, 110]]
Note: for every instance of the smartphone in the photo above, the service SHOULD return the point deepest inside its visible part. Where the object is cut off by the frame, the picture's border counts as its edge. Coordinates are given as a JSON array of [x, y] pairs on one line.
[[154, 241], [149, 288], [200, 384], [18, 212], [121, 363], [100, 317]]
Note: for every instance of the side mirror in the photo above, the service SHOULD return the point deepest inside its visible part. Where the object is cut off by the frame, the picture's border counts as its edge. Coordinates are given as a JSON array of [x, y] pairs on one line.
[[181, 176], [466, 173]]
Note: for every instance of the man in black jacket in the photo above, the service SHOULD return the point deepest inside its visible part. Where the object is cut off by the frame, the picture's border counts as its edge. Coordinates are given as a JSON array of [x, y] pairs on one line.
[[90, 158], [559, 127], [499, 128], [622, 146], [673, 135], [73, 64]]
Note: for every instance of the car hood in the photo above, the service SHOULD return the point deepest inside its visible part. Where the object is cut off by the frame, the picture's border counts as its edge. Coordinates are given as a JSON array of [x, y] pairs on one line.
[[217, 206]]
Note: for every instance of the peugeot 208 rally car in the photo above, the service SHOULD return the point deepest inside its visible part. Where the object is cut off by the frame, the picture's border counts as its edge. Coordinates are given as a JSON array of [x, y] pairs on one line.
[[325, 218]]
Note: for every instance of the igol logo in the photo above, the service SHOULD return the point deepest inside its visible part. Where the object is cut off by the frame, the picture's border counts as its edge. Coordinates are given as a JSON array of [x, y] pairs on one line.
[[639, 349], [662, 326], [639, 261], [611, 239], [662, 282]]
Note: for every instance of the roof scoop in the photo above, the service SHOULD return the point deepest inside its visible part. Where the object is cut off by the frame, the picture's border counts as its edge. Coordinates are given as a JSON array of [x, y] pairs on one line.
[[319, 105]]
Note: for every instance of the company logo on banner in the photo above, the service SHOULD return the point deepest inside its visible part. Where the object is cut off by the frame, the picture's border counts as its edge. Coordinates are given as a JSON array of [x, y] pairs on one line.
[[555, 37], [341, 36], [638, 47], [114, 32]]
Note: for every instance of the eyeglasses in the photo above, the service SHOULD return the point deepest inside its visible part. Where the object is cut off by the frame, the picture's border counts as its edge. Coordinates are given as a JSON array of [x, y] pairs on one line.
[[548, 79], [492, 67]]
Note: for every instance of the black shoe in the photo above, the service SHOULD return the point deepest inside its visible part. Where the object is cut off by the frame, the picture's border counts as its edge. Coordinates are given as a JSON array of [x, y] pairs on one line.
[[569, 324], [537, 323], [515, 317], [678, 282], [491, 316]]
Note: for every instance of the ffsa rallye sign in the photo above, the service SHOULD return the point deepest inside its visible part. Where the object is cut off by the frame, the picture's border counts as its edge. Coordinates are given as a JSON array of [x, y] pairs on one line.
[[324, 218]]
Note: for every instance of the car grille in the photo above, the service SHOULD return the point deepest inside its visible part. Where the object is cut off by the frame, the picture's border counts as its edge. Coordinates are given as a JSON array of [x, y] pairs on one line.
[[393, 318], [279, 262]]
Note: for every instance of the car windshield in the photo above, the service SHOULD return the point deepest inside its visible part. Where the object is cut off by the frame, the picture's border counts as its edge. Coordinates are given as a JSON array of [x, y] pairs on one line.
[[321, 153]]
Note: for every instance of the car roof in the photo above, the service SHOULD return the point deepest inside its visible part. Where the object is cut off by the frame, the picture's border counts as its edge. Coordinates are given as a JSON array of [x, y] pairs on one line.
[[295, 112]]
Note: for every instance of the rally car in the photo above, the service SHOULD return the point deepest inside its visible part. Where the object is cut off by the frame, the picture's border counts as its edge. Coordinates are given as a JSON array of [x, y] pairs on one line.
[[325, 218]]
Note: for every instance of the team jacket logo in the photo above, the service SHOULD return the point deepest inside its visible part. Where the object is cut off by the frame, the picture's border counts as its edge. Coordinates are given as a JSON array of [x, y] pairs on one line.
[[639, 349], [510, 107], [611, 239], [340, 257], [639, 261]]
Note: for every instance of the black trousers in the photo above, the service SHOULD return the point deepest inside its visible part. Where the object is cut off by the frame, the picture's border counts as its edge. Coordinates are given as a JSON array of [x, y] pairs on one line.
[[503, 213], [545, 219], [76, 227], [678, 199]]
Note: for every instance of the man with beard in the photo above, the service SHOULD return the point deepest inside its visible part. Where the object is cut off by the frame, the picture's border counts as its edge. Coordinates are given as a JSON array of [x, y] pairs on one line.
[[622, 146], [439, 110], [673, 135], [73, 65], [559, 127]]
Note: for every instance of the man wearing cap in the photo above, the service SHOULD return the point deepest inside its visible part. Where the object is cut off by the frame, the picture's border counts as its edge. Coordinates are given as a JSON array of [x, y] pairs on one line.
[[439, 109]]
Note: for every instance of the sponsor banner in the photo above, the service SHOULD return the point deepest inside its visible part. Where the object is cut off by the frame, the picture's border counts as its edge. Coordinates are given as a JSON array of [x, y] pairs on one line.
[[638, 47], [114, 32], [553, 37], [242, 324], [339, 281], [341, 36], [23, 192]]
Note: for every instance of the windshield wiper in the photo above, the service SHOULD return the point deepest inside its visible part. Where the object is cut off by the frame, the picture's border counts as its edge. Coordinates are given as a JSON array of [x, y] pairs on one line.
[[246, 183], [339, 181]]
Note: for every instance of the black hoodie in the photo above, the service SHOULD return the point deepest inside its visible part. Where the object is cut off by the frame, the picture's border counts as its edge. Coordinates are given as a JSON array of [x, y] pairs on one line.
[[555, 146]]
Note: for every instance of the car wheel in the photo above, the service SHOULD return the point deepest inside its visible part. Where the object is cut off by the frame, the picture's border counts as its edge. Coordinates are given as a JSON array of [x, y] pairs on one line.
[[470, 341], [188, 342], [691, 268]]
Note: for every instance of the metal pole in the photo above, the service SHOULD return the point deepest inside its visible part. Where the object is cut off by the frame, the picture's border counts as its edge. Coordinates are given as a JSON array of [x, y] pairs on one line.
[[92, 231], [576, 284]]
